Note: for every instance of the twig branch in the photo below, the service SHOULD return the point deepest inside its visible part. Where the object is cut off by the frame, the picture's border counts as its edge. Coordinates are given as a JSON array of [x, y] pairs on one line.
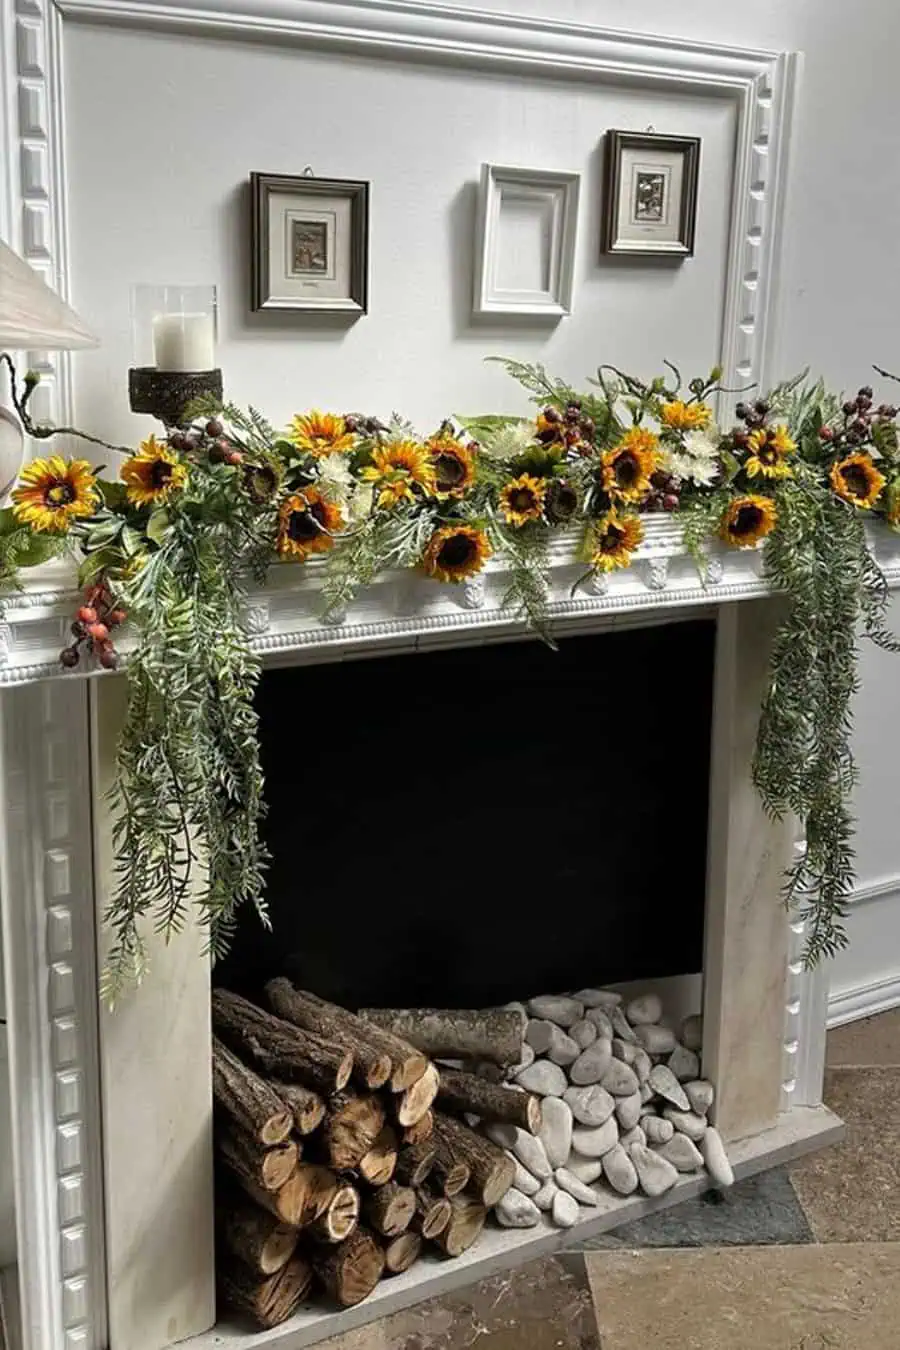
[[41, 431]]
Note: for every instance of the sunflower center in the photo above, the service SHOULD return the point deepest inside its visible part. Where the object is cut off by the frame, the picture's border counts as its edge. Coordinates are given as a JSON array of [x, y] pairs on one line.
[[160, 474], [856, 480], [747, 520], [59, 493], [564, 500], [450, 471], [768, 454], [306, 525], [522, 500], [456, 551], [627, 469], [611, 539]]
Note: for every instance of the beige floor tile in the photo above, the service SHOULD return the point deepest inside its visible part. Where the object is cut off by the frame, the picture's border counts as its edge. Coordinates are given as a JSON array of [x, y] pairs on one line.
[[851, 1192], [842, 1297], [872, 1040]]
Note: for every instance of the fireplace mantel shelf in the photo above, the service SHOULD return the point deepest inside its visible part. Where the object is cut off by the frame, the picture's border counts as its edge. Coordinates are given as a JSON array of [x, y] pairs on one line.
[[403, 611]]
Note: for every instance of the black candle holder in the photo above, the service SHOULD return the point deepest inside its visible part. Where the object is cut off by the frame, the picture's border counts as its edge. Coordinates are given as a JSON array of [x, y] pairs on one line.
[[167, 394]]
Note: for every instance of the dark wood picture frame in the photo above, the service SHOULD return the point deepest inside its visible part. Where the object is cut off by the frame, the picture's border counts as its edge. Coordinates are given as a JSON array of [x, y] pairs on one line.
[[262, 185], [618, 141]]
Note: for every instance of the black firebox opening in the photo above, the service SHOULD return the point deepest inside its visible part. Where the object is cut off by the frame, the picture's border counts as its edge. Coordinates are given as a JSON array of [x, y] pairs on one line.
[[464, 827]]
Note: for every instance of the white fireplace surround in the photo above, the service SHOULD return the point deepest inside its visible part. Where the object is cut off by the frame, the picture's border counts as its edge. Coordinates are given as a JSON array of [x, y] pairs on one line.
[[84, 1252]]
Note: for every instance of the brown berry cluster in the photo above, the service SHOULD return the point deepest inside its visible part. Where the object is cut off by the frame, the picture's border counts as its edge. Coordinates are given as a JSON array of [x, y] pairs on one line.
[[572, 428], [664, 494], [753, 416], [858, 416], [92, 629]]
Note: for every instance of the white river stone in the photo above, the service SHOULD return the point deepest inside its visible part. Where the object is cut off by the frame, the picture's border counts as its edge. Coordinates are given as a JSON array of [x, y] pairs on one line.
[[657, 1130], [583, 1034], [590, 1105], [692, 1032], [621, 1026], [568, 1181], [688, 1122], [665, 1084], [681, 1153], [716, 1159], [642, 1064], [544, 1197], [599, 1018], [558, 1008], [701, 1095], [546, 1038], [684, 1064], [525, 1181], [531, 1154], [592, 1063], [620, 1171], [626, 1051], [556, 1130], [502, 1134], [644, 1010], [619, 1079], [565, 1210], [598, 998], [632, 1136], [585, 1169], [655, 1175], [593, 1143], [527, 1058], [515, 1210], [545, 1078], [646, 1094], [656, 1040], [628, 1111]]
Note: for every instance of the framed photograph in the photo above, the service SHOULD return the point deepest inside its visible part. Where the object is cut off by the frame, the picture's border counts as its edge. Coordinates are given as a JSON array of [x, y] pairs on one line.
[[525, 241], [310, 243], [650, 198]]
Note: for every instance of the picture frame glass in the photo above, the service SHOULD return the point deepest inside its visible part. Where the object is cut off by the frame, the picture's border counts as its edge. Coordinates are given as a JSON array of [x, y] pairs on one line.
[[526, 240], [651, 187], [310, 247]]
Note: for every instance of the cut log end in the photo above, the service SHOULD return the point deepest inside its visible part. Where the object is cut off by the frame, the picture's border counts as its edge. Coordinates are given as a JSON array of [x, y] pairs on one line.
[[402, 1252], [270, 1300], [462, 1093], [371, 1065], [390, 1209], [249, 1160], [350, 1271], [377, 1166], [248, 1100], [260, 1240], [492, 1171], [307, 1107], [338, 1220], [467, 1219], [351, 1127], [452, 1178], [420, 1132], [432, 1214], [416, 1101], [414, 1163]]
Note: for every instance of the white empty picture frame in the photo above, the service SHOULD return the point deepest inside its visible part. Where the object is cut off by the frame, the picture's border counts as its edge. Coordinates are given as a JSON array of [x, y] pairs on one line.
[[525, 241]]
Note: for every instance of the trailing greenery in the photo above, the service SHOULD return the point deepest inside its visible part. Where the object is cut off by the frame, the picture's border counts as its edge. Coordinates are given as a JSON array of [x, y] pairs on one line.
[[170, 547]]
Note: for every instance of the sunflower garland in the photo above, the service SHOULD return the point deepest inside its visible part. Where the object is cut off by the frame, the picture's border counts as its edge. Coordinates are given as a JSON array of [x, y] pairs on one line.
[[320, 433], [307, 524], [456, 552], [153, 474], [748, 520], [522, 500], [769, 450], [615, 537], [52, 493], [453, 465], [857, 480], [629, 465], [399, 470]]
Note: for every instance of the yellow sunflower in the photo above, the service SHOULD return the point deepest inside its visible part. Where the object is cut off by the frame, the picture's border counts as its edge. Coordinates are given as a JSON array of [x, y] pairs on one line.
[[307, 524], [53, 493], [454, 466], [320, 433], [856, 479], [769, 449], [681, 416], [747, 520], [153, 474], [455, 552], [627, 466], [615, 538], [522, 499], [397, 469]]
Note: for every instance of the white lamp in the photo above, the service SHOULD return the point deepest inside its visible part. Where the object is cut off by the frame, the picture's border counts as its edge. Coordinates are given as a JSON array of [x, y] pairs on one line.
[[32, 317]]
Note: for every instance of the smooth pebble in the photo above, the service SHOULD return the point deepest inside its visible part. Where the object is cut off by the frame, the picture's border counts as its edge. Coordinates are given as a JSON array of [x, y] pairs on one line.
[[556, 1130], [628, 1110], [515, 1210], [619, 1079], [590, 1105], [692, 1033], [681, 1153], [656, 1176], [594, 1143], [579, 1190], [531, 1153], [564, 1210], [545, 1078], [558, 1008], [544, 1197], [701, 1095], [598, 998], [644, 1010], [592, 1063], [525, 1181], [665, 1084], [657, 1130], [684, 1064], [585, 1169], [620, 1171], [655, 1039], [621, 1026], [599, 1017], [688, 1122], [716, 1159], [583, 1033], [632, 1136]]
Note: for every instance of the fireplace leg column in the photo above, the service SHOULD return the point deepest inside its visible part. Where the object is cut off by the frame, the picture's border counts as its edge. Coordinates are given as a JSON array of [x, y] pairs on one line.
[[155, 1054], [747, 928]]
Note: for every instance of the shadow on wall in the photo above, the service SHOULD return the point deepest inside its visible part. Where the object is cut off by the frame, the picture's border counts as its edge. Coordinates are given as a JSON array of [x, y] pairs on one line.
[[7, 1197]]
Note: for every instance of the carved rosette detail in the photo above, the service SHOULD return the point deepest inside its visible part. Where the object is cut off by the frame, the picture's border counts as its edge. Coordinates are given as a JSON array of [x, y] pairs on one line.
[[715, 571], [255, 619], [473, 593], [657, 574], [336, 616], [598, 583], [5, 643]]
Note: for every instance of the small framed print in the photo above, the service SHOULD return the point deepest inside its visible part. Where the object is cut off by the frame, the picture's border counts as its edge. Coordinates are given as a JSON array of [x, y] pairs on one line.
[[650, 204], [310, 243], [525, 244]]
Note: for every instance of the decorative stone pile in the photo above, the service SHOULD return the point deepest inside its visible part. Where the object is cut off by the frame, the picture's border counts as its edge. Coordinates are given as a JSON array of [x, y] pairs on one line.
[[623, 1107]]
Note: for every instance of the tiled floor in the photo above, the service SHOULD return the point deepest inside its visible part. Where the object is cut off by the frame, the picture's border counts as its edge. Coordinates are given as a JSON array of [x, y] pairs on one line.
[[801, 1260]]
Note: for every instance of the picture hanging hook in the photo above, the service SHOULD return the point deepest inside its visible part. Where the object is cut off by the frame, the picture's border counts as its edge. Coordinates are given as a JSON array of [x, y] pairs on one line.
[[308, 172], [651, 130]]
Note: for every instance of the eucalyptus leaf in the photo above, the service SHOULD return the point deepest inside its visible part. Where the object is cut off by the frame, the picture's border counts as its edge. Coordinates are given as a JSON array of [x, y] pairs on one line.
[[157, 526]]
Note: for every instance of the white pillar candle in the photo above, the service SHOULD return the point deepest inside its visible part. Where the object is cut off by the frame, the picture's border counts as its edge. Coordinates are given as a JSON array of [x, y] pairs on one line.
[[184, 342]]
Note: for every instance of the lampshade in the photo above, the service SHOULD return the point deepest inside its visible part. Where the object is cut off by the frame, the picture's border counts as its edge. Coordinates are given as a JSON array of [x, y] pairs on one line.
[[31, 315]]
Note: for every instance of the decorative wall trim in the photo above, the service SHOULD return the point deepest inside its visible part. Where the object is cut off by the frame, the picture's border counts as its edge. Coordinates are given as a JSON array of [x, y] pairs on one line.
[[864, 1000], [879, 889]]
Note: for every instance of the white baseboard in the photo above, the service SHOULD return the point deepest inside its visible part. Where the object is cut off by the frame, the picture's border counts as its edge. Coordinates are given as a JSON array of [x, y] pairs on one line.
[[864, 1000]]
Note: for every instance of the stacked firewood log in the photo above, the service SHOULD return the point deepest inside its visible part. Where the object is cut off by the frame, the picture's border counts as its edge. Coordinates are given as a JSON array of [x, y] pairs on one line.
[[342, 1151]]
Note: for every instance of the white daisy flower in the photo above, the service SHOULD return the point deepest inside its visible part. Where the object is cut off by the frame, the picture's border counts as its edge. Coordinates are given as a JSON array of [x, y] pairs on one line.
[[696, 460]]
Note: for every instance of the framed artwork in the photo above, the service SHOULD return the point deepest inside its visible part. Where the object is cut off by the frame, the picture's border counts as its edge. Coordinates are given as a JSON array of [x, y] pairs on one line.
[[525, 241], [650, 198], [309, 243]]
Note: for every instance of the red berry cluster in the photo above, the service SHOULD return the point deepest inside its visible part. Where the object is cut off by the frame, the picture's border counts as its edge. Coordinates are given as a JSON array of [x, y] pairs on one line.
[[92, 629], [753, 416], [572, 428], [664, 494], [221, 451], [858, 416]]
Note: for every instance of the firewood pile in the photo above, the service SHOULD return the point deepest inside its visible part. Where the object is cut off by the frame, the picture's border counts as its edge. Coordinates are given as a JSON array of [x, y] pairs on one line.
[[342, 1152]]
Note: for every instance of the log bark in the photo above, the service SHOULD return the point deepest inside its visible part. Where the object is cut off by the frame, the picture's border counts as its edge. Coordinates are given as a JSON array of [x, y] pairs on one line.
[[401, 1252], [449, 1175], [248, 1099], [493, 1034], [302, 1198], [390, 1209], [492, 1171], [460, 1092], [407, 1063], [467, 1219], [277, 1049], [246, 1157], [371, 1067], [352, 1124], [339, 1219], [418, 1133], [307, 1107], [432, 1212], [350, 1271], [270, 1300], [264, 1244], [377, 1166], [414, 1163], [412, 1104]]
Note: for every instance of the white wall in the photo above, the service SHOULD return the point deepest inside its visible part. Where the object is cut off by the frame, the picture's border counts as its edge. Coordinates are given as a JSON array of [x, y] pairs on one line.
[[162, 133]]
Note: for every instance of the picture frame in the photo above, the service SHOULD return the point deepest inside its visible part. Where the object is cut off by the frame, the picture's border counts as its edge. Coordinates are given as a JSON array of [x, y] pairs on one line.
[[650, 194], [525, 241], [309, 243]]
